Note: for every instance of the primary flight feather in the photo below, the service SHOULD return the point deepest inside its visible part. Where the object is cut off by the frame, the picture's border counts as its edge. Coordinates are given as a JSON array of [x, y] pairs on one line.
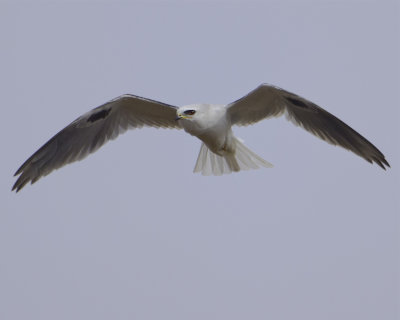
[[220, 153]]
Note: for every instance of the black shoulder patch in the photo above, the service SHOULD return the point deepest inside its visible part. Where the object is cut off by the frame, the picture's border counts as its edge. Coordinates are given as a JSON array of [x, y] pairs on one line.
[[99, 115], [297, 102]]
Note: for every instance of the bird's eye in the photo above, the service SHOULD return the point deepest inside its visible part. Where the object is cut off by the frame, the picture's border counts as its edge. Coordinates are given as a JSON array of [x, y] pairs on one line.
[[189, 112]]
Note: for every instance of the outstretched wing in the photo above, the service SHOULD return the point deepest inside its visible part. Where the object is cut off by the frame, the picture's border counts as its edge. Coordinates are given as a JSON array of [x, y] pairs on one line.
[[269, 101], [93, 129]]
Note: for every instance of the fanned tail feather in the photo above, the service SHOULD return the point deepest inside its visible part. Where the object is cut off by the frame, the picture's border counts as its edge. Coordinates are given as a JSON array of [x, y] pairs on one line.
[[209, 163]]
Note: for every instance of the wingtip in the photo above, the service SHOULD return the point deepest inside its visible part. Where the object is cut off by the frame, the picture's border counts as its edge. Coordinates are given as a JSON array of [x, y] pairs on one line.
[[382, 163], [20, 183], [386, 163], [15, 188]]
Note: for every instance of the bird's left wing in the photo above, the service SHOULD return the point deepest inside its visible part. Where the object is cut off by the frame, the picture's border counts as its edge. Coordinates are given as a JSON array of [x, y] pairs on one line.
[[90, 131], [268, 101]]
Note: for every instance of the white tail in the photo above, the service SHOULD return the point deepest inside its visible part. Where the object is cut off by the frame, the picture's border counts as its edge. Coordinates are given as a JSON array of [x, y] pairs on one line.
[[209, 163]]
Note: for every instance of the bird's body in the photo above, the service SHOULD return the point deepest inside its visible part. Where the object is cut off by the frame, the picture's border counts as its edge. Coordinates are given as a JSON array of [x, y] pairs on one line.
[[220, 153], [212, 126]]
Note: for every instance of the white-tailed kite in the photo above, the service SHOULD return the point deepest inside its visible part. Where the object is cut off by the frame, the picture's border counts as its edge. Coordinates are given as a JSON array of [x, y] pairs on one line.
[[220, 153]]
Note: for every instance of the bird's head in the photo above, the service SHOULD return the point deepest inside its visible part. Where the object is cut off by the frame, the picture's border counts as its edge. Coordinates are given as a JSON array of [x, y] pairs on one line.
[[199, 117], [190, 112]]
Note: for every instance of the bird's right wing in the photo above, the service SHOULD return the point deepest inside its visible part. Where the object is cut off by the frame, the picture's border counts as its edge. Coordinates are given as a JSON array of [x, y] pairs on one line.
[[268, 101], [90, 131]]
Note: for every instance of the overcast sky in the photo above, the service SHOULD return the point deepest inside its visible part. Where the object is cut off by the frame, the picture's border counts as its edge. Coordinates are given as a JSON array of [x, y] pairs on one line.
[[131, 232]]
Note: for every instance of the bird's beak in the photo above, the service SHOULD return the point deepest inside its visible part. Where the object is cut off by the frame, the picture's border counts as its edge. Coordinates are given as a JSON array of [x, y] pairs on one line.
[[180, 116]]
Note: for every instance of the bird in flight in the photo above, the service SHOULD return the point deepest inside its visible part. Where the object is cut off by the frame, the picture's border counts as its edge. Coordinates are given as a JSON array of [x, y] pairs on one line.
[[220, 152]]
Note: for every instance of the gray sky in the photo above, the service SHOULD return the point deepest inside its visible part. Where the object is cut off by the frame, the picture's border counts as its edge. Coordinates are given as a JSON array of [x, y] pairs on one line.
[[132, 233]]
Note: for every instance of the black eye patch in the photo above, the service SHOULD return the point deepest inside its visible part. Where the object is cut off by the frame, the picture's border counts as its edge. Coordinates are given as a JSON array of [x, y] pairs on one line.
[[189, 112]]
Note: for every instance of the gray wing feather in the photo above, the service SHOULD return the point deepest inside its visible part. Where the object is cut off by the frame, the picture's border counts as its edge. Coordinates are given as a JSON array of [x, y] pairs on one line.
[[269, 101], [92, 130]]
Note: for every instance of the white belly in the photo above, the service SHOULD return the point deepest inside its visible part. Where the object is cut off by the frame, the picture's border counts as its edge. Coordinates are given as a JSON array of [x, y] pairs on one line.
[[213, 128]]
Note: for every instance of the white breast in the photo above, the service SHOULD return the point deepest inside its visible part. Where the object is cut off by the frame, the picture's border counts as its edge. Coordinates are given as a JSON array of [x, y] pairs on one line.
[[211, 125]]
